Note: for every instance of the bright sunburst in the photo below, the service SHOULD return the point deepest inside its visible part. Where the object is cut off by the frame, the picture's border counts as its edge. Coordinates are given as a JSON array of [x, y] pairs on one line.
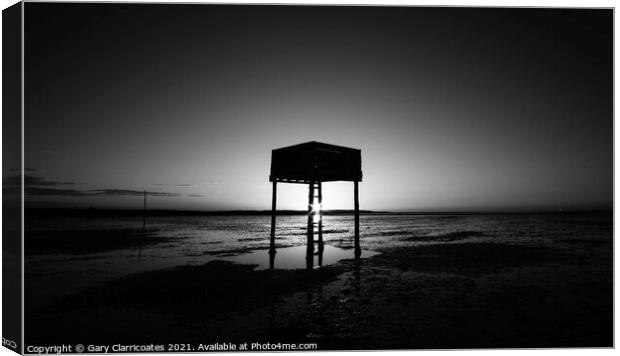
[[315, 212], [315, 208]]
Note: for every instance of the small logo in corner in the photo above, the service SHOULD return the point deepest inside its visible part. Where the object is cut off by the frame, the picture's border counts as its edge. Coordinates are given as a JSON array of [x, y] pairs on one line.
[[9, 343]]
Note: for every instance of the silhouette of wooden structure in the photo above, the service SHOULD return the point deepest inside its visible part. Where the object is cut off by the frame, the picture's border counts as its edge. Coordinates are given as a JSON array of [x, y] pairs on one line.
[[313, 163]]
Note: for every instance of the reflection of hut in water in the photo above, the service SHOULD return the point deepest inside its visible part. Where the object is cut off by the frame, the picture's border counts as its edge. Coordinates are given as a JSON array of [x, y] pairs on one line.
[[313, 163]]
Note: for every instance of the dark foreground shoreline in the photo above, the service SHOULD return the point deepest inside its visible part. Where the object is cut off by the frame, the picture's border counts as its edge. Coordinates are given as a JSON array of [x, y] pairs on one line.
[[452, 295]]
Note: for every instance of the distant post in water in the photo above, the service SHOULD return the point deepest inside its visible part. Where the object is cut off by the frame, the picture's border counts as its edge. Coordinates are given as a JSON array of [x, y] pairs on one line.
[[313, 163], [144, 213]]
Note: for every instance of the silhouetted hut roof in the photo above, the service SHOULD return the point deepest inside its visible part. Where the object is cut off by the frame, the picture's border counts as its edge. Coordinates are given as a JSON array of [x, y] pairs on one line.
[[315, 161]]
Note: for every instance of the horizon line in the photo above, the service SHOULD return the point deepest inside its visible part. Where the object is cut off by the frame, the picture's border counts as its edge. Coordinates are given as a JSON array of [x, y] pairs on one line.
[[333, 211]]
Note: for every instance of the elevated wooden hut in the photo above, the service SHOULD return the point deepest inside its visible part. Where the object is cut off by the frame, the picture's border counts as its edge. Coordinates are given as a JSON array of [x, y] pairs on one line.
[[313, 163]]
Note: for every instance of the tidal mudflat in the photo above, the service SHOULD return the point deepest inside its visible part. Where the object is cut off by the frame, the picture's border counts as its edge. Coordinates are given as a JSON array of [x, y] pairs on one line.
[[443, 281]]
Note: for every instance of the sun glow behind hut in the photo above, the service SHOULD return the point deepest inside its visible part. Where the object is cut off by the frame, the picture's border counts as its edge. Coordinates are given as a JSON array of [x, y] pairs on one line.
[[313, 163]]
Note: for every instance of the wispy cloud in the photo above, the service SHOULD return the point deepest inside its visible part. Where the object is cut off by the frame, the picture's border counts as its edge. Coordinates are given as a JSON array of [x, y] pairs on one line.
[[56, 192], [174, 185], [128, 192], [45, 187], [185, 185], [33, 181], [196, 195], [94, 192], [40, 181]]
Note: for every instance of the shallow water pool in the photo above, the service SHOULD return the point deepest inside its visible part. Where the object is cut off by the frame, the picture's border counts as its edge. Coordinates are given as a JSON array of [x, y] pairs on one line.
[[295, 257]]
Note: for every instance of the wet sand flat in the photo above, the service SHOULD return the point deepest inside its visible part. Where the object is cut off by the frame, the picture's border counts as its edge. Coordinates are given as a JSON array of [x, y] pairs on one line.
[[445, 295]]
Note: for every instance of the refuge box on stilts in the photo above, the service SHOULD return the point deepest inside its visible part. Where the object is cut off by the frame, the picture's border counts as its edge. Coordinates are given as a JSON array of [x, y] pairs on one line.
[[313, 163]]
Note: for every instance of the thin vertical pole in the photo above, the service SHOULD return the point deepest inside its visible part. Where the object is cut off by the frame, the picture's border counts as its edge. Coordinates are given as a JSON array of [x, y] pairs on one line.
[[310, 232], [272, 241], [358, 250], [320, 216], [320, 186], [144, 213]]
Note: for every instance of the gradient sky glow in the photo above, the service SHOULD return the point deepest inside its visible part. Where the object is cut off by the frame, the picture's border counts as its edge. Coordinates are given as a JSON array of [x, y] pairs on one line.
[[453, 108]]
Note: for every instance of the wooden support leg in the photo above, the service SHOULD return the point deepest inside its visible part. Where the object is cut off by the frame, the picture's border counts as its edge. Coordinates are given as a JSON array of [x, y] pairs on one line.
[[310, 232], [320, 217], [358, 250], [272, 241], [320, 187], [272, 260]]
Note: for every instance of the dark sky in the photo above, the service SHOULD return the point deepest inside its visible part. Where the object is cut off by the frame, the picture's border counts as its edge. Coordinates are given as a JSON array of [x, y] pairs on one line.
[[453, 108]]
